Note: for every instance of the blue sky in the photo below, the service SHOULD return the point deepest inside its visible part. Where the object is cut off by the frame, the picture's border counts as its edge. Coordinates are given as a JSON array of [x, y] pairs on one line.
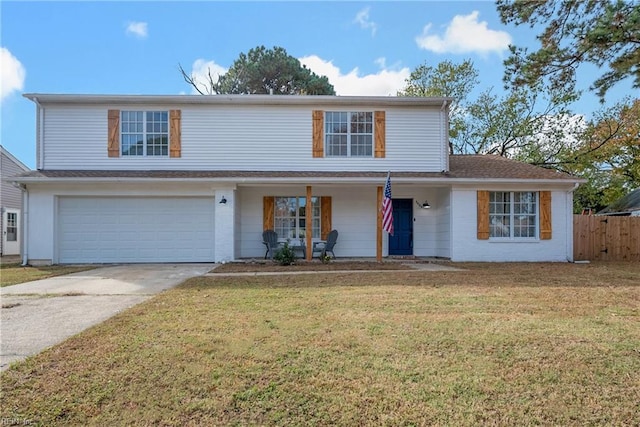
[[365, 48]]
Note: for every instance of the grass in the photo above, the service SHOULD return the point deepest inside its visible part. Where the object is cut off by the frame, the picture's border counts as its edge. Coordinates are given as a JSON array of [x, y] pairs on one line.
[[14, 273], [498, 344]]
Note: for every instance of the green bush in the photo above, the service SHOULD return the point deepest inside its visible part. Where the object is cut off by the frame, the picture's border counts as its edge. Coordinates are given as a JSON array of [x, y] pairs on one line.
[[286, 255]]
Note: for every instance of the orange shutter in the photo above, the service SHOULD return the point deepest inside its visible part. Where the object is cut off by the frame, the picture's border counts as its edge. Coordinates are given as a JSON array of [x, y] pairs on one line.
[[380, 134], [545, 215], [268, 210], [483, 215], [318, 133], [325, 216], [113, 141], [175, 147]]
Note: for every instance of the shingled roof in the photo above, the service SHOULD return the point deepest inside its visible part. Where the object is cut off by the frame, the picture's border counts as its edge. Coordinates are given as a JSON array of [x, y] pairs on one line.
[[491, 166], [461, 167], [624, 205]]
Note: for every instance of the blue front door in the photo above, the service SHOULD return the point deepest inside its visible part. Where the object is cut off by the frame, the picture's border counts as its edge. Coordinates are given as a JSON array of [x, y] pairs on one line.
[[401, 243]]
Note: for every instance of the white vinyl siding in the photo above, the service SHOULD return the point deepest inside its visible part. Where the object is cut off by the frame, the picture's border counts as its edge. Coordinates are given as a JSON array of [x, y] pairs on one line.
[[244, 137], [11, 196]]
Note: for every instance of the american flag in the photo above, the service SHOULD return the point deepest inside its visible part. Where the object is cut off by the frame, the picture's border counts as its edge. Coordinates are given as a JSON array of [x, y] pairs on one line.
[[387, 207]]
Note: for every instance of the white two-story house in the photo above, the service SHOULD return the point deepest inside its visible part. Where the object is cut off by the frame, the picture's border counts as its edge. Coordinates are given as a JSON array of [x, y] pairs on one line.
[[190, 178]]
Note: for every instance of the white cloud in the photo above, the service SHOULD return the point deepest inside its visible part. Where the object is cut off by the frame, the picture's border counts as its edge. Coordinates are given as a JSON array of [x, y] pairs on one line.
[[463, 35], [12, 74], [200, 71], [362, 18], [386, 82], [137, 29]]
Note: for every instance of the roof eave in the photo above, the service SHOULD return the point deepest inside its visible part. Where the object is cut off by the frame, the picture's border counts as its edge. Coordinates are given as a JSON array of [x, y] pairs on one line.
[[296, 180], [44, 98]]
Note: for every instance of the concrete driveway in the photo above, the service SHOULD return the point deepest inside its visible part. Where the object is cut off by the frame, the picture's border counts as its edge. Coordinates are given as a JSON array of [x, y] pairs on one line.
[[36, 315]]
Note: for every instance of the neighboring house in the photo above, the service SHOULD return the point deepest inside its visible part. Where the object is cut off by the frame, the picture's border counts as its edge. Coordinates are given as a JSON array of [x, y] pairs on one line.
[[628, 205], [10, 204], [198, 178]]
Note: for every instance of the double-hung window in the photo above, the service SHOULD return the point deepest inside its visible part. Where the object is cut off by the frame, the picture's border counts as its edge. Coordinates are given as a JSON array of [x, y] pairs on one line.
[[349, 134], [513, 214], [145, 133], [291, 215]]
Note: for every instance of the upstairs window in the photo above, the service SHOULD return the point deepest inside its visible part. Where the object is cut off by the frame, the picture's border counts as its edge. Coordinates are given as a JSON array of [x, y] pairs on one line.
[[349, 134], [145, 133]]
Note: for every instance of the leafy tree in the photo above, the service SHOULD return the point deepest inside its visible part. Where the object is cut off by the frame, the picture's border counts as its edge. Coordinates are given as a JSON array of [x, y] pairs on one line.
[[521, 124], [510, 126], [264, 71], [609, 156], [605, 33]]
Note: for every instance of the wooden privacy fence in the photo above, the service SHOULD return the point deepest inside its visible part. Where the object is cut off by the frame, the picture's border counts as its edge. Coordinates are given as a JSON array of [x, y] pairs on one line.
[[606, 238]]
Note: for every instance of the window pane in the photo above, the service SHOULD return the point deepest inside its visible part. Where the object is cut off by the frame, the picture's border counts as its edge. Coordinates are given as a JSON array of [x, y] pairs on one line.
[[513, 214], [291, 220], [12, 227], [361, 145], [336, 145]]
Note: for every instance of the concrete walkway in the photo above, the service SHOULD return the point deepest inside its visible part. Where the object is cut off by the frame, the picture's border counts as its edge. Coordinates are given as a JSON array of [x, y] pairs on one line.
[[36, 315]]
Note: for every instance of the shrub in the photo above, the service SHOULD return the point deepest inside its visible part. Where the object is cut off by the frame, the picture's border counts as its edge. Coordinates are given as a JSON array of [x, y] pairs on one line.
[[285, 255]]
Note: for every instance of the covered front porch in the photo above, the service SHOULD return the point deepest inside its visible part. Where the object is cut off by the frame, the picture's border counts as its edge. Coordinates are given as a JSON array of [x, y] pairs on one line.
[[353, 210]]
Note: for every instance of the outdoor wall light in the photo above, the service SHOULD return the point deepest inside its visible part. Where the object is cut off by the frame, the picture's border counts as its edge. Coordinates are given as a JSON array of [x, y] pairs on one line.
[[424, 205], [223, 201]]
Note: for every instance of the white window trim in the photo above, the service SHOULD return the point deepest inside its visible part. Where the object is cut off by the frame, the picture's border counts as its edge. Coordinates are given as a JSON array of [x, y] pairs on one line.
[[511, 238], [349, 155]]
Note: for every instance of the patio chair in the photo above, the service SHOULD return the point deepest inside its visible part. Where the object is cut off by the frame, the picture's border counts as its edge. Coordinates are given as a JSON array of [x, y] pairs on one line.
[[325, 246], [270, 240]]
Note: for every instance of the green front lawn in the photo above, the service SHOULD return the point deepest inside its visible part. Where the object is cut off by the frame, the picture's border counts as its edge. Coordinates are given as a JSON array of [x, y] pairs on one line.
[[498, 344]]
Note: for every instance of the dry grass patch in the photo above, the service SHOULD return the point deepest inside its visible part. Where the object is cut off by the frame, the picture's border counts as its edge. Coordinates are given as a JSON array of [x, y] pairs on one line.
[[501, 344], [14, 273]]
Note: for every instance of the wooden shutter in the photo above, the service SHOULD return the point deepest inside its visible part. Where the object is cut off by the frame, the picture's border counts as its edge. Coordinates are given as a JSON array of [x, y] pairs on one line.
[[483, 215], [545, 215], [380, 129], [175, 148], [113, 138], [268, 211], [325, 217], [318, 133]]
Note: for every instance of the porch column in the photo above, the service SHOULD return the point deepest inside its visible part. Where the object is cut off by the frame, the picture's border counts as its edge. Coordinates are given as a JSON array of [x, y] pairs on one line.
[[309, 225], [224, 225], [379, 227]]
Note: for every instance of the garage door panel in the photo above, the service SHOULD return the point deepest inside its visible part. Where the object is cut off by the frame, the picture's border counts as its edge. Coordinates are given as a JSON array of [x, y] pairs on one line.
[[105, 230]]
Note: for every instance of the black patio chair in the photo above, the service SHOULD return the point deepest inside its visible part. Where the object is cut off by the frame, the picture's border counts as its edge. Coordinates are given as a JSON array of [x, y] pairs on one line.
[[270, 240], [325, 246]]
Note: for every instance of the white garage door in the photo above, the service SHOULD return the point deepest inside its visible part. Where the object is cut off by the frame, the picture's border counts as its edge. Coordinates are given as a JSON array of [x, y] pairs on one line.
[[110, 229]]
